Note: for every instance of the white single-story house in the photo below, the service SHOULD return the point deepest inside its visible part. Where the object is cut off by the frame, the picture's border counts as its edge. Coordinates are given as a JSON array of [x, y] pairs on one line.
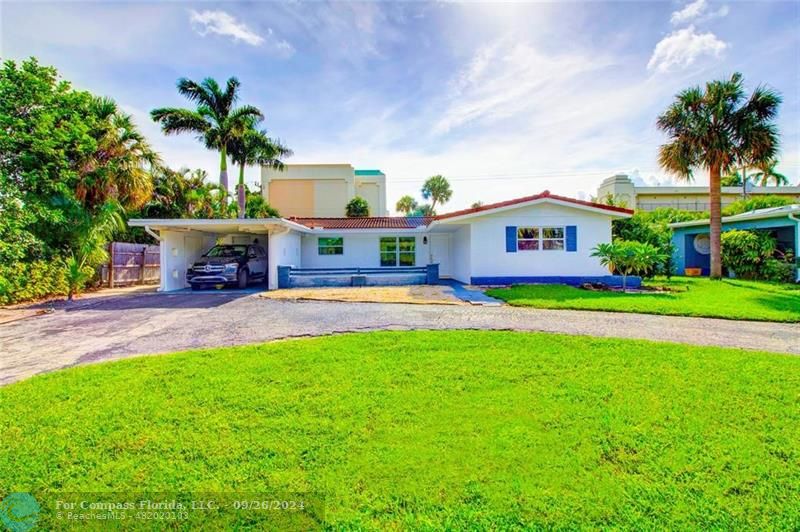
[[542, 238]]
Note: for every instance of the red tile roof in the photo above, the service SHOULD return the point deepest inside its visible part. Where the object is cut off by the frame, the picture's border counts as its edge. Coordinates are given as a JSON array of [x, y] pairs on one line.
[[372, 222], [412, 222], [545, 194]]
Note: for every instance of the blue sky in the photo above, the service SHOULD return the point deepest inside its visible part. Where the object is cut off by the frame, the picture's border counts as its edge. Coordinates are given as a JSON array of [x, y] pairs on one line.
[[503, 99]]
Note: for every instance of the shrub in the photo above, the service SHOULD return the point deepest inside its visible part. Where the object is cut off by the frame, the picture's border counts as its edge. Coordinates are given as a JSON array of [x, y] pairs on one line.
[[756, 202], [653, 228], [744, 252], [357, 208], [629, 258], [779, 271], [23, 281]]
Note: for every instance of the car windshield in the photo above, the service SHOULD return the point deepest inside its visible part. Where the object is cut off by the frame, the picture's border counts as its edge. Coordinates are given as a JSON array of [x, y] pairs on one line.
[[226, 251]]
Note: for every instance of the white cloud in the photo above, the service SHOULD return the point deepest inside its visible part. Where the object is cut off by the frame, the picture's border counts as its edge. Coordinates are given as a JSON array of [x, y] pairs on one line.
[[684, 47], [697, 11], [505, 78], [223, 23]]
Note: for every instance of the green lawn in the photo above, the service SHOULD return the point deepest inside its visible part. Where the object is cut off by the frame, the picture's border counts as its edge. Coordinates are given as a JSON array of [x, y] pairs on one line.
[[728, 298], [426, 429]]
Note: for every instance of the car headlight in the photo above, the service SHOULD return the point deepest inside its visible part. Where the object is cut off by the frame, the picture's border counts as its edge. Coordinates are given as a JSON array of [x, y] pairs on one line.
[[230, 268]]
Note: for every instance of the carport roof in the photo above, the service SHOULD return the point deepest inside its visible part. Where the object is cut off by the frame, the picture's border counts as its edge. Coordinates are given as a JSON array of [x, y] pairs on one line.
[[227, 225]]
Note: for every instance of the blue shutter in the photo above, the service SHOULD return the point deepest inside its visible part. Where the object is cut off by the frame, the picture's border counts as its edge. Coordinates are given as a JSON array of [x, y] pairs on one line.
[[572, 238], [511, 239]]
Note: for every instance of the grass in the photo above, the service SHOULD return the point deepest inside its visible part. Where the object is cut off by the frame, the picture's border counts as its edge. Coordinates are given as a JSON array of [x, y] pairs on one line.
[[728, 298], [420, 429]]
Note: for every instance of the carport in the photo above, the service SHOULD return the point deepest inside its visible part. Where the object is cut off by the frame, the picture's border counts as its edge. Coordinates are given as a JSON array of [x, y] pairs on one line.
[[183, 241]]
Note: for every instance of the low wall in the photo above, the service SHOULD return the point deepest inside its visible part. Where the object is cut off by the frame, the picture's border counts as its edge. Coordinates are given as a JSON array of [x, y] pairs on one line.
[[289, 277]]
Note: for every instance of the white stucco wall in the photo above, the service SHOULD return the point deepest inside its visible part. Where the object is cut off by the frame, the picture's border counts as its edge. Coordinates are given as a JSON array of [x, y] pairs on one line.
[[360, 250], [284, 250], [488, 256], [460, 263], [179, 249]]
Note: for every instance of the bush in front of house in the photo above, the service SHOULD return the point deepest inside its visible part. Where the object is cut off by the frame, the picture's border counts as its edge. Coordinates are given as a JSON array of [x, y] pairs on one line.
[[754, 255], [23, 281], [357, 208], [652, 227], [629, 258]]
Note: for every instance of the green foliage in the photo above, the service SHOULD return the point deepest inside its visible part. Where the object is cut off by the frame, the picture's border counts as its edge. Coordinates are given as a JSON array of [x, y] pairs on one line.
[[413, 430], [733, 179], [406, 205], [257, 207], [357, 208], [65, 155], [719, 128], [23, 281], [732, 299], [768, 172], [754, 255], [215, 120], [652, 227], [437, 189], [423, 210], [629, 258], [756, 202]]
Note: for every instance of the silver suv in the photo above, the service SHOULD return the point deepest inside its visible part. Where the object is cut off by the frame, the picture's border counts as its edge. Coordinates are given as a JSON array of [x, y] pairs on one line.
[[229, 264]]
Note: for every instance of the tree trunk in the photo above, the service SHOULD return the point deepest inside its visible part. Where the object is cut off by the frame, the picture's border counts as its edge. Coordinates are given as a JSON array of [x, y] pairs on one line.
[[223, 171], [242, 199], [715, 207]]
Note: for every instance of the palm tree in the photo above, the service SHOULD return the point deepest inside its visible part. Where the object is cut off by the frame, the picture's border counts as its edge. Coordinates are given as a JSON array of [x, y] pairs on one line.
[[91, 233], [215, 121], [255, 147], [406, 205], [122, 164], [767, 172], [719, 129], [438, 189]]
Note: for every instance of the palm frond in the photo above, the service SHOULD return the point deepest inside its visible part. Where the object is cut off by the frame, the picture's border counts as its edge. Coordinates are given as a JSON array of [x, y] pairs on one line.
[[176, 120]]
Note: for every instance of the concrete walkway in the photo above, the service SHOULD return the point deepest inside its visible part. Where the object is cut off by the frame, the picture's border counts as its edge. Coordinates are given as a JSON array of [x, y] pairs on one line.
[[122, 326]]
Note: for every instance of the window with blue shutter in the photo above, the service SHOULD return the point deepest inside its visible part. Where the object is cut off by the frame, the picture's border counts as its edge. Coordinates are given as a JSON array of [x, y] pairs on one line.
[[572, 238], [511, 239]]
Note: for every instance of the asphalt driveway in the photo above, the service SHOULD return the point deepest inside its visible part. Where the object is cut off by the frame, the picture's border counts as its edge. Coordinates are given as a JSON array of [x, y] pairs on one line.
[[119, 326]]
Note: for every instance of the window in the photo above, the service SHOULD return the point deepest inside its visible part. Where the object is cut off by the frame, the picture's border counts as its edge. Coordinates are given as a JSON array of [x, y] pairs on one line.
[[527, 238], [330, 246], [398, 250], [534, 238], [553, 238]]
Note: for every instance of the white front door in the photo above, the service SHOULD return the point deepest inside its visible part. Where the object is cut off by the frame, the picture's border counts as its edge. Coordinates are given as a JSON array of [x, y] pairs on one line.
[[440, 253]]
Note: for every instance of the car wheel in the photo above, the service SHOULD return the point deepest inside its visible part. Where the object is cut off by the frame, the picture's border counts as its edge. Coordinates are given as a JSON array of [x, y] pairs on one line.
[[196, 286], [243, 279]]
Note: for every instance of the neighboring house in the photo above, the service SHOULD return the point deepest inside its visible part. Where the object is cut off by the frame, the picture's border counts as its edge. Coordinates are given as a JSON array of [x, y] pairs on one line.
[[691, 243], [322, 189], [542, 238], [687, 198]]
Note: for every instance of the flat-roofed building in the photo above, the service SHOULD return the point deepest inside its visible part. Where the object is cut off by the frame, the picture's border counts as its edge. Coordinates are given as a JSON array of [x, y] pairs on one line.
[[624, 192], [322, 190]]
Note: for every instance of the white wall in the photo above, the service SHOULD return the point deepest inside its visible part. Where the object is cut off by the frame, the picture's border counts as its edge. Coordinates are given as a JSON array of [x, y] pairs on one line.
[[179, 250], [460, 254], [488, 256], [360, 251], [284, 250]]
